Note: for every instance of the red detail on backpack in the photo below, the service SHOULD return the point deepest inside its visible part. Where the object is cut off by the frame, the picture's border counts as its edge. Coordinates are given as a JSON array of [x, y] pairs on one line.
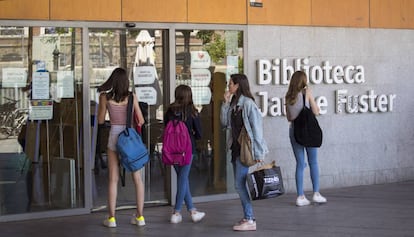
[[176, 146]]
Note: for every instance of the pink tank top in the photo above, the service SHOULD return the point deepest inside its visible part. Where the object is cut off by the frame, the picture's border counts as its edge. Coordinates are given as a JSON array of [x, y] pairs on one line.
[[117, 113]]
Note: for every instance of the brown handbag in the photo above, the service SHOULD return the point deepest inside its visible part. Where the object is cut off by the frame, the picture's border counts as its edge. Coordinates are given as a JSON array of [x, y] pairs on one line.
[[246, 152]]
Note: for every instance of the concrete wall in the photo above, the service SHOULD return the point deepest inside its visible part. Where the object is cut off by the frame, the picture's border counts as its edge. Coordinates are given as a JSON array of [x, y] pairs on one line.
[[358, 148]]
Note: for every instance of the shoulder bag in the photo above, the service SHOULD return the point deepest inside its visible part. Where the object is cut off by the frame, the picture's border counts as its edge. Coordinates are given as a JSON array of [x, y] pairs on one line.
[[306, 129], [246, 152]]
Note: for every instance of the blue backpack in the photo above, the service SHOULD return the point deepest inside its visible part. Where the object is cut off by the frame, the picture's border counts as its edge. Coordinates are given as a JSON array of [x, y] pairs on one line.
[[133, 154], [176, 147]]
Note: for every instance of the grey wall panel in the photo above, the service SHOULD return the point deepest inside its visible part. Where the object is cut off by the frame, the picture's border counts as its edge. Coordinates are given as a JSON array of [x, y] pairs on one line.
[[358, 148]]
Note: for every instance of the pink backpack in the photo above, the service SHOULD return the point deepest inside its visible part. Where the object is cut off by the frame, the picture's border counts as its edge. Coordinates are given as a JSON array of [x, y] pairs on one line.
[[176, 147]]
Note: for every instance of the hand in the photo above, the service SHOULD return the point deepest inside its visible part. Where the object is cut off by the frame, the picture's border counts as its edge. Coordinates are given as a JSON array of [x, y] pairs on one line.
[[227, 96]]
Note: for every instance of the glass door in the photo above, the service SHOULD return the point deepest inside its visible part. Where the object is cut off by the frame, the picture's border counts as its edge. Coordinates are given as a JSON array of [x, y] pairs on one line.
[[143, 53], [205, 59], [41, 155]]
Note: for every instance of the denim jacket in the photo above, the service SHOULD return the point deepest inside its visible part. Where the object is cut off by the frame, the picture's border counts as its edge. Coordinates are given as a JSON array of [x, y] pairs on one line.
[[253, 122]]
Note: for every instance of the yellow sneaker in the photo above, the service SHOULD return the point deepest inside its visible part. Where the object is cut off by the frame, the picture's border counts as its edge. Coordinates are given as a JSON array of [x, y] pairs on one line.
[[110, 222], [139, 221]]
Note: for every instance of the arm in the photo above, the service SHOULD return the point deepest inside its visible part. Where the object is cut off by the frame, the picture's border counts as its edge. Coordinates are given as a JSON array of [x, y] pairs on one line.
[[197, 126], [288, 114], [224, 114], [312, 103], [138, 112], [167, 116], [102, 108], [256, 124], [224, 110]]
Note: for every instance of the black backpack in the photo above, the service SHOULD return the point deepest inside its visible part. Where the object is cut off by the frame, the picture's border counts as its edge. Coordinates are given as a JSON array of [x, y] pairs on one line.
[[306, 128]]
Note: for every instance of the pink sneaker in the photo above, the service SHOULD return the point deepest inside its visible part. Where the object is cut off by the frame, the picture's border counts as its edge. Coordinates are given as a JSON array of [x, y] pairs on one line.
[[245, 225]]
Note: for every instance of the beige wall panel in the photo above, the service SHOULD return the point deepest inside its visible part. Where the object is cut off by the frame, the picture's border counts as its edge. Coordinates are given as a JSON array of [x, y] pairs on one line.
[[24, 9], [86, 10], [154, 10], [392, 14], [281, 12], [349, 13], [217, 11]]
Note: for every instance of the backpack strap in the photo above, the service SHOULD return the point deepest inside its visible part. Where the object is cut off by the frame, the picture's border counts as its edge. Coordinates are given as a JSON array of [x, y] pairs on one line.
[[129, 110], [304, 101], [178, 118]]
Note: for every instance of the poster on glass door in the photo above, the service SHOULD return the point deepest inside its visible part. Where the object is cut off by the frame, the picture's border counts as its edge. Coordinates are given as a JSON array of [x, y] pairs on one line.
[[40, 86], [200, 77], [14, 77]]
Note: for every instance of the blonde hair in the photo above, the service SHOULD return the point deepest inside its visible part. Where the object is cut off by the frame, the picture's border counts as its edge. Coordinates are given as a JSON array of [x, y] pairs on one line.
[[297, 83]]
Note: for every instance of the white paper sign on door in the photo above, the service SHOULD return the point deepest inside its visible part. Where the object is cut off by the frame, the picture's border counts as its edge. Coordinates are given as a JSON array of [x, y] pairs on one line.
[[201, 95], [65, 85], [200, 59], [144, 75], [14, 77], [41, 110], [40, 86], [200, 77], [147, 95]]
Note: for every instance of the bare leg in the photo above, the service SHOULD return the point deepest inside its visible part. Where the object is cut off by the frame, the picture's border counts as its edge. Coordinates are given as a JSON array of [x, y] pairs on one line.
[[113, 178], [139, 192]]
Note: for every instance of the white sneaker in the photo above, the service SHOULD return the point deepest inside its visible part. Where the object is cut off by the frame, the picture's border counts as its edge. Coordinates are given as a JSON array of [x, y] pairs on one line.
[[197, 215], [139, 221], [110, 222], [318, 198], [176, 218], [245, 225], [302, 201]]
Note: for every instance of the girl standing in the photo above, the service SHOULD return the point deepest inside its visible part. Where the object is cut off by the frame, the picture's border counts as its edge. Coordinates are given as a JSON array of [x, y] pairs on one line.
[[114, 99], [183, 109], [294, 104], [238, 110]]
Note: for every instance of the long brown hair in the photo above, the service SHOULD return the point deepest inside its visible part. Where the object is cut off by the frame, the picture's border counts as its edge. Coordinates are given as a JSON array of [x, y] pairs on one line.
[[117, 85], [184, 102], [297, 83], [244, 87]]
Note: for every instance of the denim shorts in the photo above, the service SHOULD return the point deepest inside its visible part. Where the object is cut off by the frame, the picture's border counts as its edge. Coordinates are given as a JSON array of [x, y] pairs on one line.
[[113, 136]]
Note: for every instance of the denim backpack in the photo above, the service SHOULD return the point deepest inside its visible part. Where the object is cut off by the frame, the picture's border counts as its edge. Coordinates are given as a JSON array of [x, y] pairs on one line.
[[133, 154]]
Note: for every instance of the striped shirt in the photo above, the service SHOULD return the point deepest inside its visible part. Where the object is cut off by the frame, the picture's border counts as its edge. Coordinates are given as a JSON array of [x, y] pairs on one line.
[[117, 113]]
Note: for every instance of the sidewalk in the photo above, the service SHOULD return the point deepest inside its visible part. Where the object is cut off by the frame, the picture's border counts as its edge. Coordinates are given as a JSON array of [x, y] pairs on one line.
[[374, 210]]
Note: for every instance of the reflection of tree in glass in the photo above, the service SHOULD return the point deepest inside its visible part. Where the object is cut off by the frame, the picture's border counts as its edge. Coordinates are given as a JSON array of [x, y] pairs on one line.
[[213, 44], [240, 39], [12, 30], [102, 44], [52, 34], [205, 35], [216, 49]]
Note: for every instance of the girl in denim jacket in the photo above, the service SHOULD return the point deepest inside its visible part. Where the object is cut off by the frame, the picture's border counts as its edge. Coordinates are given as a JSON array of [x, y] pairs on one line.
[[238, 110]]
